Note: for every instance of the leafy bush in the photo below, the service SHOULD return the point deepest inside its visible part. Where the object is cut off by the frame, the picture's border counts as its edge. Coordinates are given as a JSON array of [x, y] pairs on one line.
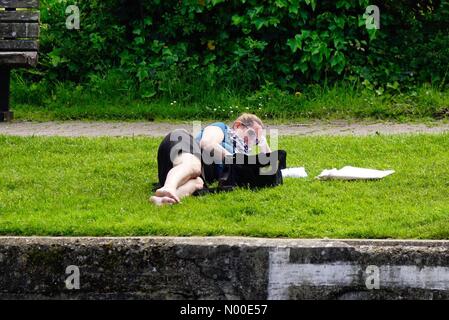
[[412, 45], [159, 45]]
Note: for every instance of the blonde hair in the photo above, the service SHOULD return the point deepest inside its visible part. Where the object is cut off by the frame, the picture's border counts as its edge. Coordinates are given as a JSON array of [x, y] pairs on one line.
[[248, 119]]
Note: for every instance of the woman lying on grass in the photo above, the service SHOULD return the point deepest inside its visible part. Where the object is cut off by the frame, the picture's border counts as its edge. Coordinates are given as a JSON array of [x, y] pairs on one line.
[[184, 162]]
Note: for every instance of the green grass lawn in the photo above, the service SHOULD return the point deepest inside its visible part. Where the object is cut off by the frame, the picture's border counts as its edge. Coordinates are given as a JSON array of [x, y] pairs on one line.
[[96, 187]]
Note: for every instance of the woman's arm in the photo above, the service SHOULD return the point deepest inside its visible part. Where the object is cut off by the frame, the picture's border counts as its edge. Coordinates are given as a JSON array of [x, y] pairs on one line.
[[211, 141]]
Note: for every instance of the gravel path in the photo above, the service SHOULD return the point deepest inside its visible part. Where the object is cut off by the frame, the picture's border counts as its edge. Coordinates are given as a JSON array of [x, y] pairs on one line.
[[157, 129]]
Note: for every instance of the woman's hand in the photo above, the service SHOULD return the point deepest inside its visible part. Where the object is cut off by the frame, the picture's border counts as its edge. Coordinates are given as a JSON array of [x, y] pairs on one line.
[[263, 145]]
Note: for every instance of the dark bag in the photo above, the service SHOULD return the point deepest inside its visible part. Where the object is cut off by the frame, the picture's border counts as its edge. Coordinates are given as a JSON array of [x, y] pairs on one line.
[[255, 171]]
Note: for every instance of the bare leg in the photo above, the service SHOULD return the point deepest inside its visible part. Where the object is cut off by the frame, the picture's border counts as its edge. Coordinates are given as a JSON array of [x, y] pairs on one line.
[[185, 168], [189, 188]]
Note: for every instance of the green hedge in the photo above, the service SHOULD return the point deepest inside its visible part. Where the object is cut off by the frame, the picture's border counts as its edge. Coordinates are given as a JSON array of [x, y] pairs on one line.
[[247, 42]]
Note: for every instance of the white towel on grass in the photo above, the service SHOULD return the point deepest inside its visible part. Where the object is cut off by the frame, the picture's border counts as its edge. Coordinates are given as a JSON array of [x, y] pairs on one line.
[[294, 173], [352, 173]]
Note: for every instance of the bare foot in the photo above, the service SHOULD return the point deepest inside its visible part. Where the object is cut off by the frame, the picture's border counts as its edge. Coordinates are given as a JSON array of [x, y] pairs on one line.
[[161, 201], [164, 192], [199, 183]]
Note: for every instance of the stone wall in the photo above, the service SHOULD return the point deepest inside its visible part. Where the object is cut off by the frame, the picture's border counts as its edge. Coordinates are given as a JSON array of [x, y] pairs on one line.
[[221, 268]]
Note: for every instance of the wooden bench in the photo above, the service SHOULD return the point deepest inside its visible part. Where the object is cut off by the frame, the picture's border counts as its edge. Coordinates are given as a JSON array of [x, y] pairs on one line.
[[19, 34]]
